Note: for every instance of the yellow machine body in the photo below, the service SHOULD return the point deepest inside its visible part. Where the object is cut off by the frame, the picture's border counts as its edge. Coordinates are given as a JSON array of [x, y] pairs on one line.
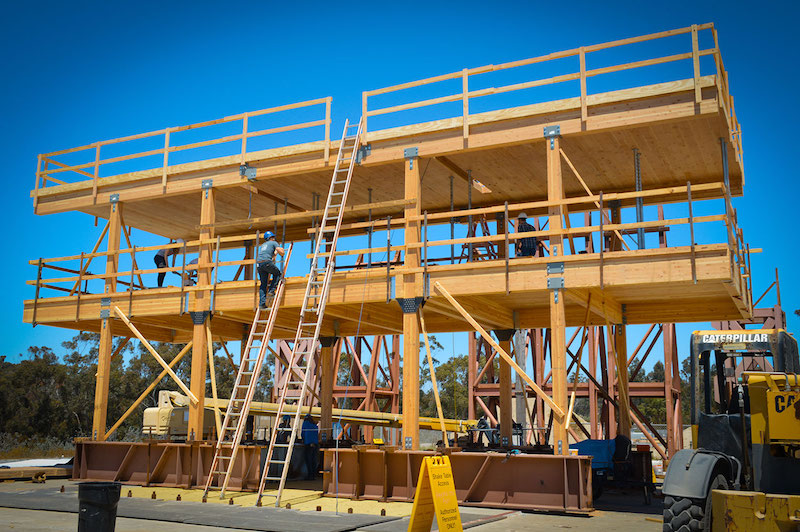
[[752, 511]]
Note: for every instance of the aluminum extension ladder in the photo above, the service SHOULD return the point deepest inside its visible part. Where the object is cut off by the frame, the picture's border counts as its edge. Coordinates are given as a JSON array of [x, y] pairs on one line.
[[312, 312], [233, 427]]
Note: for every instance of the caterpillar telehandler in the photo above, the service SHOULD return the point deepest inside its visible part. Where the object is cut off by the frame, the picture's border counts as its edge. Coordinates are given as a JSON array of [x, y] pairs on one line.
[[744, 470]]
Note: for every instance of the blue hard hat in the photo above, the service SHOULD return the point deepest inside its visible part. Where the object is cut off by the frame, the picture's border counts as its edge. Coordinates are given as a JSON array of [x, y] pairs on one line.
[[268, 235]]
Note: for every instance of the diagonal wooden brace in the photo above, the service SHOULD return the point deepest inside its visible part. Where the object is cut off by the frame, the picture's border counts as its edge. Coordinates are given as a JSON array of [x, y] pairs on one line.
[[500, 351], [155, 354]]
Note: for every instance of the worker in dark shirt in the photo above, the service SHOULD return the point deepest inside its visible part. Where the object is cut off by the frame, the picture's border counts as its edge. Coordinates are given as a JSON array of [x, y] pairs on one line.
[[266, 267], [310, 435], [526, 247]]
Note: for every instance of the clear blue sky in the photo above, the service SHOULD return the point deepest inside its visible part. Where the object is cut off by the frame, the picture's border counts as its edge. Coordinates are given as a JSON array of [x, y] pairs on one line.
[[77, 72]]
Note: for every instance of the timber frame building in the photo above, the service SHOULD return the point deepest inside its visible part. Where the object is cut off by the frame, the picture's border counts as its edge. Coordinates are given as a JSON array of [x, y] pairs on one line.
[[585, 167]]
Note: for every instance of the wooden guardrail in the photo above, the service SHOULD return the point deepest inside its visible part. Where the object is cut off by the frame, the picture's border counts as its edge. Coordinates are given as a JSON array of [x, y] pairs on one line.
[[48, 167], [74, 284], [581, 74]]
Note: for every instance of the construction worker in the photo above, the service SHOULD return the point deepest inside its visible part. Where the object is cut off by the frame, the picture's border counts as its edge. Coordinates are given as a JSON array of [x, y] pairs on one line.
[[161, 260], [310, 435], [526, 247], [267, 267]]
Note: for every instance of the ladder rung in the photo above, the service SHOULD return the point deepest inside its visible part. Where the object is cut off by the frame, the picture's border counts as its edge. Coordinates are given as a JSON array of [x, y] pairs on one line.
[[281, 445], [276, 479]]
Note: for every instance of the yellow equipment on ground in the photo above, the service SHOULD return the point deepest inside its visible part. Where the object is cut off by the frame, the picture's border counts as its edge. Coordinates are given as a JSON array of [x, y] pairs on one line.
[[744, 473]]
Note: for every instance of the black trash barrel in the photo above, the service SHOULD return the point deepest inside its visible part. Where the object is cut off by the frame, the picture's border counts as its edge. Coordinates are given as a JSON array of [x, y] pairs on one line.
[[98, 506]]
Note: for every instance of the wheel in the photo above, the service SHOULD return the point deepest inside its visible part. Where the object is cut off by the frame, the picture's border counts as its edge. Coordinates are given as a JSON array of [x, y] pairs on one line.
[[691, 515]]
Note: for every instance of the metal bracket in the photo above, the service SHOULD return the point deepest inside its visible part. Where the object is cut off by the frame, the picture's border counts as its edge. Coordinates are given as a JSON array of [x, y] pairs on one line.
[[327, 341], [615, 204], [504, 335], [105, 301], [245, 170], [363, 152], [551, 132], [199, 318], [410, 305], [409, 442], [555, 284], [555, 267], [105, 314], [113, 199], [410, 154], [624, 314], [206, 185]]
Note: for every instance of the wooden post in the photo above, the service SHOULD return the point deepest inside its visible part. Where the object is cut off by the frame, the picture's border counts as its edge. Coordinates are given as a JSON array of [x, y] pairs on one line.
[[506, 385], [592, 342], [106, 336], [202, 302], [326, 387], [623, 397], [558, 340], [410, 288]]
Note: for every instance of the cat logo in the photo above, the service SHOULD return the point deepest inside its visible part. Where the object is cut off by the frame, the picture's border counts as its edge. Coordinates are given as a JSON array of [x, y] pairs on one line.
[[784, 401]]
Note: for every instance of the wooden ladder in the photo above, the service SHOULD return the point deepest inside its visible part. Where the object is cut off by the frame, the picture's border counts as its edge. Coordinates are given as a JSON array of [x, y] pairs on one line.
[[312, 312], [233, 427]]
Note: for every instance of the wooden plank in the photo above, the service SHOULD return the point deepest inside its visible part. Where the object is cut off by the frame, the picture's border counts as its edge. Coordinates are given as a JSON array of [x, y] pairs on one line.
[[698, 94], [457, 170], [146, 392], [434, 386], [546, 398], [159, 359]]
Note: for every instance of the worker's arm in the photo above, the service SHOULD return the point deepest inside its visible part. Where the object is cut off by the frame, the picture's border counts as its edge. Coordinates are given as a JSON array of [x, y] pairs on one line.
[[280, 251]]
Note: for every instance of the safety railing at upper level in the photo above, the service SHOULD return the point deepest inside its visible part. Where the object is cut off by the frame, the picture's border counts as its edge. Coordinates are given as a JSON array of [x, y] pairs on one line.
[[468, 78], [51, 171], [594, 239]]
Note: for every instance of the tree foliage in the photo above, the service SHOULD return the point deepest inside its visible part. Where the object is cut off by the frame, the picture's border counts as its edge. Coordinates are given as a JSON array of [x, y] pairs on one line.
[[47, 395]]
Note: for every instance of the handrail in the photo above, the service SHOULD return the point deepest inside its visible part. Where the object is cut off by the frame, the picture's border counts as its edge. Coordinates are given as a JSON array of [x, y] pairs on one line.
[[694, 54], [47, 165], [740, 267]]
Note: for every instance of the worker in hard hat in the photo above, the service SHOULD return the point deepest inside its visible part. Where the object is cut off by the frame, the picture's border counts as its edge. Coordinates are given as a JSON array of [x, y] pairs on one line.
[[310, 435], [267, 268], [526, 247]]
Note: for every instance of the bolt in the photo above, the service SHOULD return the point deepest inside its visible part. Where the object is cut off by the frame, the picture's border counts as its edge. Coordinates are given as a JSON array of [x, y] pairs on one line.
[[153, 496], [288, 506], [230, 501], [319, 508], [178, 498], [130, 493], [62, 489], [383, 512], [349, 510]]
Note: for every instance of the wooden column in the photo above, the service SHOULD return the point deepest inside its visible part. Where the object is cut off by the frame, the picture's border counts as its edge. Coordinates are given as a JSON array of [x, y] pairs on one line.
[[558, 340], [410, 288], [592, 343], [201, 307], [472, 373], [326, 388], [106, 337], [623, 397], [506, 387]]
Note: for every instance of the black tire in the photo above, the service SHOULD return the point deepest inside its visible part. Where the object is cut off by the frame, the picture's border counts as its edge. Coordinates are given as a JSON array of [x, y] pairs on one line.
[[691, 515]]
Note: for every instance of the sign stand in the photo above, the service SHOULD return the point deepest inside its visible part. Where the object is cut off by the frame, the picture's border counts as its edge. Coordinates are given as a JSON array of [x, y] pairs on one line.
[[436, 494]]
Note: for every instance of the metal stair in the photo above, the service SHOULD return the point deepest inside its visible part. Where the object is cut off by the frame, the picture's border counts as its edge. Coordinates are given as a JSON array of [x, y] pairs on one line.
[[233, 426], [311, 314]]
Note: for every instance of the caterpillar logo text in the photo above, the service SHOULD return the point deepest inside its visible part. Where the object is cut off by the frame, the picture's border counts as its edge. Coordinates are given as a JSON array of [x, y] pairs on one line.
[[784, 401]]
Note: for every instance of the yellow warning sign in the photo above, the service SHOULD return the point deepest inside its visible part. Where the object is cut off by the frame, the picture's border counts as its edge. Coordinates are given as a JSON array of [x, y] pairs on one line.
[[436, 494]]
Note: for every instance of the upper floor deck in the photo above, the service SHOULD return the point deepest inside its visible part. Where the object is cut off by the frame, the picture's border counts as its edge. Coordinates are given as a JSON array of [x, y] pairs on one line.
[[644, 123]]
